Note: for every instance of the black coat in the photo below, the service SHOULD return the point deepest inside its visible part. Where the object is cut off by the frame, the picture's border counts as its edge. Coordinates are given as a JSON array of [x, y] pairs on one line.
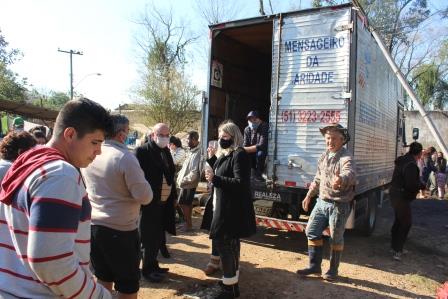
[[234, 215], [150, 159], [406, 179]]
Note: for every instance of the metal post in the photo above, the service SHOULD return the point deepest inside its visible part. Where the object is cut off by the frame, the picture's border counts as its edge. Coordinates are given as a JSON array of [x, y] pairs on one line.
[[71, 52], [71, 74]]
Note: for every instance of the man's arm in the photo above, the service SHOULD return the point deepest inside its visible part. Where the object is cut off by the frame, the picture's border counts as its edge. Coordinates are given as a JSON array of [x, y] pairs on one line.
[[135, 179], [347, 173], [55, 212]]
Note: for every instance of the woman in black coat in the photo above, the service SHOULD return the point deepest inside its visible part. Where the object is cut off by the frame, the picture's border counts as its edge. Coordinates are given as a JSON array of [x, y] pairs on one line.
[[233, 211]]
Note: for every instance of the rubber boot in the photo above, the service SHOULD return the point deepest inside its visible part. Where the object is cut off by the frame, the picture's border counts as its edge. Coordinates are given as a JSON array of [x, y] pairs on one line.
[[315, 256], [332, 273], [228, 291]]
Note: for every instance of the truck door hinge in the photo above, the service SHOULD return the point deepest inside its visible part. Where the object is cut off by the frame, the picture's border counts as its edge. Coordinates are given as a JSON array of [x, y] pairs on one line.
[[348, 26], [343, 95]]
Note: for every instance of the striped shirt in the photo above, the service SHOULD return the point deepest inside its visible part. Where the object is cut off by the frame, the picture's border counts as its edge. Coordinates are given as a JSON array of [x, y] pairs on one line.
[[45, 237]]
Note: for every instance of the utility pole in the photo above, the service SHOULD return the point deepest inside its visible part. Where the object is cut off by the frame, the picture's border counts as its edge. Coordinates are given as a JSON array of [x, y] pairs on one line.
[[71, 52]]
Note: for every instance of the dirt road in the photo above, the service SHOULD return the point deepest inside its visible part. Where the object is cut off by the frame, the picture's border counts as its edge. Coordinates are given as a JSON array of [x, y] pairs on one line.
[[269, 261]]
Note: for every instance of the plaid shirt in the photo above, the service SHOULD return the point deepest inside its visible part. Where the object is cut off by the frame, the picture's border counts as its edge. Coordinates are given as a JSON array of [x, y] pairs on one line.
[[327, 168]]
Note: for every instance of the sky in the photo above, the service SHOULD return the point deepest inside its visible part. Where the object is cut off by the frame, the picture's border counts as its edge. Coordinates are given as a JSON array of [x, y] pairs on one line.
[[105, 32]]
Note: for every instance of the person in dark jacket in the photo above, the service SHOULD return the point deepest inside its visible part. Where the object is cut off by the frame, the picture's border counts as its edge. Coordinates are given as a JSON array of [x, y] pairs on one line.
[[157, 164], [405, 185], [428, 164], [256, 143], [233, 211]]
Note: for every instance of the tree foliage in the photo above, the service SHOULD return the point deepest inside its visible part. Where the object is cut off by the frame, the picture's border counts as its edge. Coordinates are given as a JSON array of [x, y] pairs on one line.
[[167, 94], [52, 100], [431, 80], [11, 87]]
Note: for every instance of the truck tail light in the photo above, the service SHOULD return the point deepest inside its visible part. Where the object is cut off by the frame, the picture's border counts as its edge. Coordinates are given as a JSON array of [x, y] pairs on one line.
[[290, 184]]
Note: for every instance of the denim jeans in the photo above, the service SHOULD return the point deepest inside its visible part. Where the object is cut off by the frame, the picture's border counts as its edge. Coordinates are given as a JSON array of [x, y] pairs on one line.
[[333, 214], [229, 252], [258, 160]]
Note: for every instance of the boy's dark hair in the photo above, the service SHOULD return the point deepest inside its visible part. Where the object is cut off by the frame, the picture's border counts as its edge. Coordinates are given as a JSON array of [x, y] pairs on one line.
[[176, 141], [85, 116], [431, 150], [13, 142], [415, 148], [193, 135]]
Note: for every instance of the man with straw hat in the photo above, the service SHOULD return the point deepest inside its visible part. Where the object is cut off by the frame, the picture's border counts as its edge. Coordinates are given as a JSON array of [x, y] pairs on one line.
[[334, 184]]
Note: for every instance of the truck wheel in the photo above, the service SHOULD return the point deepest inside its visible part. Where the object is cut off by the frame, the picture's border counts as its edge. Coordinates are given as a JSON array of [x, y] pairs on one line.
[[368, 225]]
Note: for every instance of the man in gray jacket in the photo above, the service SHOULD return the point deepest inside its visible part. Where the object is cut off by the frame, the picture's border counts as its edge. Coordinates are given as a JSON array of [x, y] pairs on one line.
[[117, 188], [188, 178], [334, 183]]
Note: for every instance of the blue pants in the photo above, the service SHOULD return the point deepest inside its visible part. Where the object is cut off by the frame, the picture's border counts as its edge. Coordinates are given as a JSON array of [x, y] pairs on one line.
[[258, 160], [333, 214]]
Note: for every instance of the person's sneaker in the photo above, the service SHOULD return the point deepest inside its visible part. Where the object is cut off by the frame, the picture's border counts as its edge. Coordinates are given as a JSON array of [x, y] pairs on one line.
[[404, 252], [397, 255]]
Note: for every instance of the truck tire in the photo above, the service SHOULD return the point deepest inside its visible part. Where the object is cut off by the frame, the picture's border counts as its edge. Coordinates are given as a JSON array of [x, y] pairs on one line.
[[368, 224]]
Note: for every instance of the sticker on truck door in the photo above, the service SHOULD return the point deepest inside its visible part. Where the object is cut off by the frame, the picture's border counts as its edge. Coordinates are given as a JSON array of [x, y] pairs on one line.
[[310, 116]]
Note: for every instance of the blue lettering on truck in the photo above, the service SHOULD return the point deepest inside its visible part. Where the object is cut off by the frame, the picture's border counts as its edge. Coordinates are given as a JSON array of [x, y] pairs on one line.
[[314, 44]]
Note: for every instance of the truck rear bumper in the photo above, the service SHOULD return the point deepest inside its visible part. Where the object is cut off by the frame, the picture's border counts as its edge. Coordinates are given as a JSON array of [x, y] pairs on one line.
[[289, 225]]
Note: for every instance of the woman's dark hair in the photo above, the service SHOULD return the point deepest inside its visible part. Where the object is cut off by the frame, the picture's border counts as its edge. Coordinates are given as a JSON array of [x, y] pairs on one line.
[[39, 134], [85, 116], [16, 143], [176, 141], [415, 148]]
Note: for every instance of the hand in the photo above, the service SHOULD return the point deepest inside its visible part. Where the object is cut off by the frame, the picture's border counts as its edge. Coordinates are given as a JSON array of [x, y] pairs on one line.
[[337, 182], [211, 151], [209, 175], [306, 203]]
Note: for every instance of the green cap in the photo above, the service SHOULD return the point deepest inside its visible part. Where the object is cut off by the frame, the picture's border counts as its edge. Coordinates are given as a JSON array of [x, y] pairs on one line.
[[18, 122]]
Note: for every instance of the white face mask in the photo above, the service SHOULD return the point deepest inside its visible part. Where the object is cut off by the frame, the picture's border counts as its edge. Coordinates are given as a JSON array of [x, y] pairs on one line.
[[162, 142]]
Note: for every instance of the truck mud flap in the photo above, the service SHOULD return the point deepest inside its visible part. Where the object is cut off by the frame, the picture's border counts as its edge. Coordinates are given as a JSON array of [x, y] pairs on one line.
[[288, 225]]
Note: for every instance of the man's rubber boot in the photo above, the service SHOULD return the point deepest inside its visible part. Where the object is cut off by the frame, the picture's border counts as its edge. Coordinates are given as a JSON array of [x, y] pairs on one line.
[[332, 273], [315, 256], [228, 291]]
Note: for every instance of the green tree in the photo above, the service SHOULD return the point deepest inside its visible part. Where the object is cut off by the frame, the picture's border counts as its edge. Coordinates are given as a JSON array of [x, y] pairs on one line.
[[167, 94], [53, 99], [431, 80], [11, 87]]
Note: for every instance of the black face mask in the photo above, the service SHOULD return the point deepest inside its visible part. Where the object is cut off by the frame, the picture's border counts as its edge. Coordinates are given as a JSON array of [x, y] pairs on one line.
[[225, 143]]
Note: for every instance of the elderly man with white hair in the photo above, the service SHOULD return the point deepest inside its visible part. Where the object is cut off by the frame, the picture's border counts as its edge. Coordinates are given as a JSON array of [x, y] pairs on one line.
[[157, 163], [334, 184]]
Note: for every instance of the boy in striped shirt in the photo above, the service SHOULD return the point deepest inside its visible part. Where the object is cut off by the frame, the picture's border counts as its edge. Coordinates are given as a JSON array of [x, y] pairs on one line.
[[45, 211]]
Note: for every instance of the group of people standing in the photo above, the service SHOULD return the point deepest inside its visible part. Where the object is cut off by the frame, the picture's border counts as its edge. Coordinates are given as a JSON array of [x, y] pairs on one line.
[[85, 200], [64, 207]]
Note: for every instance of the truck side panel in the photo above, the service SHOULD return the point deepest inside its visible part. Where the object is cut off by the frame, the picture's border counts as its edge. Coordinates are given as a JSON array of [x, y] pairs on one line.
[[378, 93], [313, 83]]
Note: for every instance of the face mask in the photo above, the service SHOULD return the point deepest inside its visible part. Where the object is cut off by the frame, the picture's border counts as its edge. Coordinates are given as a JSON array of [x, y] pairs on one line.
[[162, 142], [252, 125], [225, 143]]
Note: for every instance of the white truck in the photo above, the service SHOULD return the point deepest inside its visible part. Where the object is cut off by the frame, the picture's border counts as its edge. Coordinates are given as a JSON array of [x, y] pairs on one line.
[[303, 70]]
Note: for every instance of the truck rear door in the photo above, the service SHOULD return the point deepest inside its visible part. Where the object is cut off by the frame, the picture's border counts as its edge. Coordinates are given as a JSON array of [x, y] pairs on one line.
[[310, 89]]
